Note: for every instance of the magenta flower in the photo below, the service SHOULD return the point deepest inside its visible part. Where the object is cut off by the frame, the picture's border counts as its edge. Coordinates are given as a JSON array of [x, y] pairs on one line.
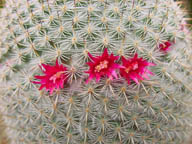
[[165, 47], [54, 77], [103, 65], [135, 69]]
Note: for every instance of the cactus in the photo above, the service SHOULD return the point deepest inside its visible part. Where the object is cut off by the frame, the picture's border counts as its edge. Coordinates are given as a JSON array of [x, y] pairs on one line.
[[149, 106]]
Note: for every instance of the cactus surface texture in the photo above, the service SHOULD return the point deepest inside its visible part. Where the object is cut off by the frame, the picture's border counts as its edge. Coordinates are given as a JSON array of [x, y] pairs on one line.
[[38, 37]]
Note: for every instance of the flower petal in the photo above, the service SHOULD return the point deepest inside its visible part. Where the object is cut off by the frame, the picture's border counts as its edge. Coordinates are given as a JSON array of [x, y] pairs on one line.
[[114, 74], [98, 77]]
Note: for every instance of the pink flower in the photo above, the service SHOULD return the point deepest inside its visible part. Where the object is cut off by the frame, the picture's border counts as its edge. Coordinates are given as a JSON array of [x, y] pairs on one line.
[[54, 77], [135, 68], [103, 65], [165, 47]]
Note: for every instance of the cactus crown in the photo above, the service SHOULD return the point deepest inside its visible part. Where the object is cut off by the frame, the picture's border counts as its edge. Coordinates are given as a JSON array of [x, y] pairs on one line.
[[37, 32]]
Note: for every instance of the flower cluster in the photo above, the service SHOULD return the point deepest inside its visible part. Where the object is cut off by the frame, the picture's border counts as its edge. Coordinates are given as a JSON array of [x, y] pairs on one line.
[[134, 68], [104, 65]]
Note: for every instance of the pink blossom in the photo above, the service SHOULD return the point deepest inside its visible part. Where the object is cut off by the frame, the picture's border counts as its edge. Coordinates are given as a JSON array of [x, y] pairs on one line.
[[165, 47], [54, 77], [135, 69], [103, 65]]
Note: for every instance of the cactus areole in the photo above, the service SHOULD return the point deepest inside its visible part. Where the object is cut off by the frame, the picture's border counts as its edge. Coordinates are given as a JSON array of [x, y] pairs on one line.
[[95, 72]]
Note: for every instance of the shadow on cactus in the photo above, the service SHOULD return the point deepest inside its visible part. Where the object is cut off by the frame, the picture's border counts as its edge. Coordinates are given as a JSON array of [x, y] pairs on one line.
[[95, 72], [2, 3]]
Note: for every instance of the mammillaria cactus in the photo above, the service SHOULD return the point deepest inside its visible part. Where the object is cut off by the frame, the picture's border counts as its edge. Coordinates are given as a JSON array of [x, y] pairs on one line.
[[95, 72]]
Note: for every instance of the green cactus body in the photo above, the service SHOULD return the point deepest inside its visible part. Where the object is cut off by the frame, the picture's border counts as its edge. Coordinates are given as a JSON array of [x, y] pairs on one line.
[[155, 111]]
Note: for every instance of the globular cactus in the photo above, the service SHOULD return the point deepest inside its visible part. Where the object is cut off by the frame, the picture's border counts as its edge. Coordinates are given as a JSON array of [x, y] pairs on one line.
[[95, 72]]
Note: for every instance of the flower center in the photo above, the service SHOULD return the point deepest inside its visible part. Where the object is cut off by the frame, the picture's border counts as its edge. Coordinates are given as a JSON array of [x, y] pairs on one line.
[[133, 66], [164, 46], [102, 65], [56, 76]]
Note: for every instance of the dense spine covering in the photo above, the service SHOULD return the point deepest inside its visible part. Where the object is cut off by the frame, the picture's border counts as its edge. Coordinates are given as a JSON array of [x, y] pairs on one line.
[[36, 32]]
